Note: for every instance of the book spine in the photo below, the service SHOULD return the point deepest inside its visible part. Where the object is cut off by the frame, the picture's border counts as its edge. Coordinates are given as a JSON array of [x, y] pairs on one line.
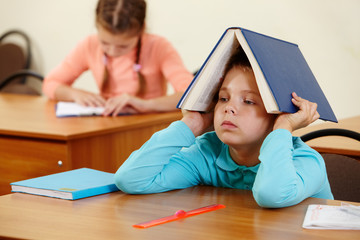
[[277, 39], [94, 191]]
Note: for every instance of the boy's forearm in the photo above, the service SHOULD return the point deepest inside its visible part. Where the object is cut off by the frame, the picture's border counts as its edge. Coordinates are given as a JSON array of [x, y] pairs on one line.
[[139, 171]]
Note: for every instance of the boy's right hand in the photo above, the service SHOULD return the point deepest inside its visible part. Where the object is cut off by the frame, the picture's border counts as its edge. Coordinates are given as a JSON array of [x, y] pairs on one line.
[[199, 123]]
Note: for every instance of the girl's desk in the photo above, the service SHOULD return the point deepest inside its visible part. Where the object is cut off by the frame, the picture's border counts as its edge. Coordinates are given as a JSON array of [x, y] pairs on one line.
[[34, 142], [111, 216], [335, 144]]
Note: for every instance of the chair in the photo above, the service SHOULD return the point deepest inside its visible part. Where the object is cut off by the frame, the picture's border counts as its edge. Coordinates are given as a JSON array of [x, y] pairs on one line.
[[331, 132], [343, 171], [15, 72]]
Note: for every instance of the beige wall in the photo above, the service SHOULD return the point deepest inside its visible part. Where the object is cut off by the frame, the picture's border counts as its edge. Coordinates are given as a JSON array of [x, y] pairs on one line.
[[327, 32]]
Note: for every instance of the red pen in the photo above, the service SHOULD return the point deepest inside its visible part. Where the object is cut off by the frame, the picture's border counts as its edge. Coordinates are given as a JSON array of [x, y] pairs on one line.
[[179, 215]]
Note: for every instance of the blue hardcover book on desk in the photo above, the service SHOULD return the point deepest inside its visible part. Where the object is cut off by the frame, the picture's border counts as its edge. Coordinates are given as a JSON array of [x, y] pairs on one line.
[[71, 185], [279, 68]]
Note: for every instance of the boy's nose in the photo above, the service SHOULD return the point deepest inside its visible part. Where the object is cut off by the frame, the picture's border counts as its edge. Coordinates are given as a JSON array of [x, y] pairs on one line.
[[230, 109]]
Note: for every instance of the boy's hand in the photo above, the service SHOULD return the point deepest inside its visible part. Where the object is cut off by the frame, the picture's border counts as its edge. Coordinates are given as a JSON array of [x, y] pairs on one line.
[[199, 123], [307, 114]]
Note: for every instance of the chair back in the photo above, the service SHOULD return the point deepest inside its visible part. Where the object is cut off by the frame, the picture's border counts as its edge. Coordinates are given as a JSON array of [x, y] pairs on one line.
[[343, 171], [12, 59], [344, 176], [15, 64]]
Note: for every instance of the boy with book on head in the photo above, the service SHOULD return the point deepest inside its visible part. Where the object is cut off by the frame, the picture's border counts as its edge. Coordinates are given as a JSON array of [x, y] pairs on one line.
[[130, 67], [249, 149]]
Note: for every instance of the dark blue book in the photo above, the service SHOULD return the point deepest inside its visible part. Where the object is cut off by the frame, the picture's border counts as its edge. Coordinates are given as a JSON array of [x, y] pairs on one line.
[[71, 185], [279, 68]]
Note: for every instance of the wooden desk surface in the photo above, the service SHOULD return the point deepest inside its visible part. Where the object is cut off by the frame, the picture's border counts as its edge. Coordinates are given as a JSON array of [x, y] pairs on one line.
[[34, 142], [33, 116], [111, 216], [335, 144]]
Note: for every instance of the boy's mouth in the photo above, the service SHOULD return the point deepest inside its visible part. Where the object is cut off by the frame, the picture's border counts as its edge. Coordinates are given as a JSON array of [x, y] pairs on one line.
[[228, 124]]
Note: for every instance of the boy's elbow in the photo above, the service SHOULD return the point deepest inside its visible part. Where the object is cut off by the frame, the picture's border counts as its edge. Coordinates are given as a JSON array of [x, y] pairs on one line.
[[125, 183], [271, 198], [266, 200]]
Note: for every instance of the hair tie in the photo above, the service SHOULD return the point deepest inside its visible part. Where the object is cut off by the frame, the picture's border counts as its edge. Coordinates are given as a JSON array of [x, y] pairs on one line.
[[137, 67]]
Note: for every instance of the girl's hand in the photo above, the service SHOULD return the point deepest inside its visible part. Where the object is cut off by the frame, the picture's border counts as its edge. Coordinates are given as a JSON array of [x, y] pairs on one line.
[[124, 104], [87, 98], [199, 123], [307, 114]]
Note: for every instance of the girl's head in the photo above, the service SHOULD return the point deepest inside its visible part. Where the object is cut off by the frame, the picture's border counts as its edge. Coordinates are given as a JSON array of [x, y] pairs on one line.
[[120, 24], [240, 117]]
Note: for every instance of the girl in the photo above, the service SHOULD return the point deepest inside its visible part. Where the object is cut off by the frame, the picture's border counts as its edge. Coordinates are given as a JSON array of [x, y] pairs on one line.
[[250, 149], [130, 67]]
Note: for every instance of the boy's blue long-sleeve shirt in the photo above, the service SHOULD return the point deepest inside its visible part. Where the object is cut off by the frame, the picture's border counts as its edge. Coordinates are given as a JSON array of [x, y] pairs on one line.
[[173, 158]]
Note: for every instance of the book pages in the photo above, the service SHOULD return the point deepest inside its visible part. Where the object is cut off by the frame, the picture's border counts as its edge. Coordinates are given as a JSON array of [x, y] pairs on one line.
[[332, 217]]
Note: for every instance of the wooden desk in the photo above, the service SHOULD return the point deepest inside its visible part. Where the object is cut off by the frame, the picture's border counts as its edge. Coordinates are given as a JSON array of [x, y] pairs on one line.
[[335, 144], [33, 141], [111, 216]]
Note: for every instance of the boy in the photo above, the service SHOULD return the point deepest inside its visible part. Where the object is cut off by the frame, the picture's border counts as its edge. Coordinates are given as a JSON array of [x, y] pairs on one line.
[[250, 149]]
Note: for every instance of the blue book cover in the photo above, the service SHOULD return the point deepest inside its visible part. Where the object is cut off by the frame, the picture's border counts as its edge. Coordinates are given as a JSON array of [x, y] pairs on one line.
[[71, 185], [279, 67], [286, 70]]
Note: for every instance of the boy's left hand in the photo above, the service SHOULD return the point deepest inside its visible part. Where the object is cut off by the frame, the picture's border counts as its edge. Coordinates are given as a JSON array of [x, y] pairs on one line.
[[306, 114]]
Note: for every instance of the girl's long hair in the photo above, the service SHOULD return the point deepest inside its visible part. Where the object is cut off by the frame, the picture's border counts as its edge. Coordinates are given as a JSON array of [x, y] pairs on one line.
[[119, 17]]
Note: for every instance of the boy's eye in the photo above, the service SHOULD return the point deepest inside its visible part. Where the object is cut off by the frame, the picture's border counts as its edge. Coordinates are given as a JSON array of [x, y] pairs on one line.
[[223, 99], [249, 102]]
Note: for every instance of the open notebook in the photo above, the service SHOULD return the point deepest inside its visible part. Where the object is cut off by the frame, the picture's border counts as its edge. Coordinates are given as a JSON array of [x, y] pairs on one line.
[[71, 109]]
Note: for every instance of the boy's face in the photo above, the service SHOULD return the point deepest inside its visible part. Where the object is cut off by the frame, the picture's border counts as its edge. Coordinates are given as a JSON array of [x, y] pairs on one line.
[[240, 118], [116, 45]]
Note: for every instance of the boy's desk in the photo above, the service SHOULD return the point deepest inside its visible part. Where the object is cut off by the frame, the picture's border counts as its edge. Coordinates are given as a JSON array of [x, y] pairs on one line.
[[111, 216], [34, 142], [335, 144]]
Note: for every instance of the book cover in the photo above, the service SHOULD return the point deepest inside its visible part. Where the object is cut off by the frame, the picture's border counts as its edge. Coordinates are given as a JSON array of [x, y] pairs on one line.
[[71, 185], [279, 68]]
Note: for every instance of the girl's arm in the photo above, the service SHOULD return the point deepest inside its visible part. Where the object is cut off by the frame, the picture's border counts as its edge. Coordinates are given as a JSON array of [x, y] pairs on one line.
[[133, 104], [85, 98], [58, 83]]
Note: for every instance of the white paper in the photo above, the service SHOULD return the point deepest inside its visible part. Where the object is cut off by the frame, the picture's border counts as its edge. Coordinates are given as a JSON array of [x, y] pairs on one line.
[[332, 217], [68, 109]]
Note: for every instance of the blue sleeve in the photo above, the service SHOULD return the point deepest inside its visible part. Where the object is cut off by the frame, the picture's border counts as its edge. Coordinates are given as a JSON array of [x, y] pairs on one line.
[[150, 169], [289, 172]]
